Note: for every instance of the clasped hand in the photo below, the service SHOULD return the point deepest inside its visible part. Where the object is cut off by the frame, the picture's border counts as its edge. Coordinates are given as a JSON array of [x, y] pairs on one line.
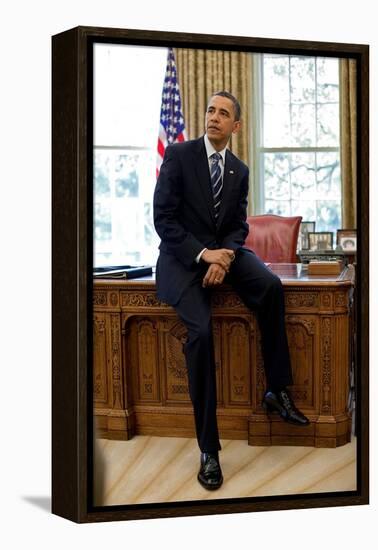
[[220, 261]]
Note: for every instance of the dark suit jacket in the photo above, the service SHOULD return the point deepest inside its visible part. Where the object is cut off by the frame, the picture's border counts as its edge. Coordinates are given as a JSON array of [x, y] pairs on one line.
[[184, 214]]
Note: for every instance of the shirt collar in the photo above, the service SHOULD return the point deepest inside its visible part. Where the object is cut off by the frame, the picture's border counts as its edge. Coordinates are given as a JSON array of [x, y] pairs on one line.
[[210, 150]]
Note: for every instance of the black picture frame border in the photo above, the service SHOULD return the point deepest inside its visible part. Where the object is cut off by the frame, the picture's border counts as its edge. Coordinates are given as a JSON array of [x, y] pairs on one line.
[[72, 217]]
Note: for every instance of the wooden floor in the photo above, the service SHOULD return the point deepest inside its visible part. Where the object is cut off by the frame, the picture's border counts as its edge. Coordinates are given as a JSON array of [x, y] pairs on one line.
[[149, 469]]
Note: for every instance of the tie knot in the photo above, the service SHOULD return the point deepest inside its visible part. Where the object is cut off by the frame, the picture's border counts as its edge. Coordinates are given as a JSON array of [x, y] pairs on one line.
[[215, 157]]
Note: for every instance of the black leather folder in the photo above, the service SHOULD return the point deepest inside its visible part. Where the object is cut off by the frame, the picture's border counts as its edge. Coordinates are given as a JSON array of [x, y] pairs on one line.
[[122, 272]]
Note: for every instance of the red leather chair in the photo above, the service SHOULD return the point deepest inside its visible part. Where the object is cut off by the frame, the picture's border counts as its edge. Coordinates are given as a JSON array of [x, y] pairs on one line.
[[274, 238]]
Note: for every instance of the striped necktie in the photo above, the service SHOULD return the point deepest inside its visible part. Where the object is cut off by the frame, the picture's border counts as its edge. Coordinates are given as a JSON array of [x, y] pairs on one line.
[[216, 181]]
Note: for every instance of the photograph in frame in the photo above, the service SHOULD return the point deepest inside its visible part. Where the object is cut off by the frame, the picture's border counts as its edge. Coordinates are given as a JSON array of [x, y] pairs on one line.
[[320, 240], [305, 228], [347, 239], [129, 314]]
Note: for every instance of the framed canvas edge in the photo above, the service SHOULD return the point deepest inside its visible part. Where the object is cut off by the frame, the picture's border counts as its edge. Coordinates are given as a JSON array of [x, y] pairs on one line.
[[72, 288]]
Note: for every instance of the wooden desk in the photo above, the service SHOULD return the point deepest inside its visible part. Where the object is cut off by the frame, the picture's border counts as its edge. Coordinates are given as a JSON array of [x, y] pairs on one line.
[[140, 380]]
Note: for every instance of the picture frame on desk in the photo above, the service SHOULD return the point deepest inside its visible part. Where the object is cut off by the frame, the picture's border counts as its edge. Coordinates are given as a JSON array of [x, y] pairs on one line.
[[347, 239], [306, 227], [74, 487], [320, 240]]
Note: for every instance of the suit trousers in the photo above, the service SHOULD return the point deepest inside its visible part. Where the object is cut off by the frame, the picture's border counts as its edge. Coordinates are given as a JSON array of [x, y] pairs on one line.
[[262, 292]]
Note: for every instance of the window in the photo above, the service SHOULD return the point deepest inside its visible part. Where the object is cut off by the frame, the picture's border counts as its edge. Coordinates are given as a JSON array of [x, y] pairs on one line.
[[297, 138], [128, 85], [296, 145]]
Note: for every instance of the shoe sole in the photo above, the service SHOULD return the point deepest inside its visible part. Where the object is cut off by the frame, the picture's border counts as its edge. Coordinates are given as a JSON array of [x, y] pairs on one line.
[[271, 409], [209, 487]]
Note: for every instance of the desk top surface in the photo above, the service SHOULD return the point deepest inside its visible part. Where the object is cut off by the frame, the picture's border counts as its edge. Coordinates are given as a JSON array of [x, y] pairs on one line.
[[290, 275]]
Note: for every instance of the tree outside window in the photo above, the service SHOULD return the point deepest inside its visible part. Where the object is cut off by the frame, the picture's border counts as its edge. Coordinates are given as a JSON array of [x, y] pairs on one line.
[[298, 142]]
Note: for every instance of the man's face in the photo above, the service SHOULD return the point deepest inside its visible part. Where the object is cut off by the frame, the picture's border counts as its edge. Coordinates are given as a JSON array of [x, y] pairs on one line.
[[220, 120]]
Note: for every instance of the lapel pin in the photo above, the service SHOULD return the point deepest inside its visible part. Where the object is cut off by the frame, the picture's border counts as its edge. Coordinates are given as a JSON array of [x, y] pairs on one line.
[[231, 171]]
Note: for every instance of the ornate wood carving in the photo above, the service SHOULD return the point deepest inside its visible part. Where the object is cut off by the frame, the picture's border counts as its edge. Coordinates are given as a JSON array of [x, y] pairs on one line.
[[326, 363], [341, 299], [260, 373], [116, 361], [299, 395], [148, 372], [309, 324], [148, 359], [239, 361], [100, 386], [326, 300], [301, 299], [114, 298], [179, 332], [176, 339], [141, 343], [141, 299], [98, 325], [226, 300], [99, 298], [302, 332], [177, 388]]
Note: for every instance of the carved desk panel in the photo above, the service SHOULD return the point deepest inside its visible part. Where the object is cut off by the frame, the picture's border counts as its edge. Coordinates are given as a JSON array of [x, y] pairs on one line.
[[139, 374]]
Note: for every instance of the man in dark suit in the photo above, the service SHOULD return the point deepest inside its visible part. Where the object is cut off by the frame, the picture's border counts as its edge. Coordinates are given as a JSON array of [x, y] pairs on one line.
[[200, 210]]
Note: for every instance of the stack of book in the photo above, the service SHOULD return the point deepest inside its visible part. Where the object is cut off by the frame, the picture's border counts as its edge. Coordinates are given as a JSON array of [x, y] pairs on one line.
[[318, 267]]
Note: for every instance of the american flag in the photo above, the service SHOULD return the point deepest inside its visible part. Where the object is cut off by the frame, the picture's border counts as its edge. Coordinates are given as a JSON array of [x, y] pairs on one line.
[[172, 127]]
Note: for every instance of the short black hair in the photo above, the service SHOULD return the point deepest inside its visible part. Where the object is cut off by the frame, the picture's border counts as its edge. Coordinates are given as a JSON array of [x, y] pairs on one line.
[[235, 102]]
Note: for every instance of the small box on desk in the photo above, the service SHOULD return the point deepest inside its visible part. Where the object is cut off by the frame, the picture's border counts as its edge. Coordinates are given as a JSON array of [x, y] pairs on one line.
[[327, 267]]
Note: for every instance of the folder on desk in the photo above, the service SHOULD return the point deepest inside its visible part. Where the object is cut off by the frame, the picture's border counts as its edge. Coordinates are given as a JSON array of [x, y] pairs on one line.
[[122, 272]]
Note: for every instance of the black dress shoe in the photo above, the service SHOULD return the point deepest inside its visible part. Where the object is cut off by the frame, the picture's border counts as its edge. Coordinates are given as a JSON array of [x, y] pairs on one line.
[[282, 403], [210, 474]]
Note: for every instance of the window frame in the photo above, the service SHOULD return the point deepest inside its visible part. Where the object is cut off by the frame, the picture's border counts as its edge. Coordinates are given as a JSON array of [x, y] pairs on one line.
[[257, 138]]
